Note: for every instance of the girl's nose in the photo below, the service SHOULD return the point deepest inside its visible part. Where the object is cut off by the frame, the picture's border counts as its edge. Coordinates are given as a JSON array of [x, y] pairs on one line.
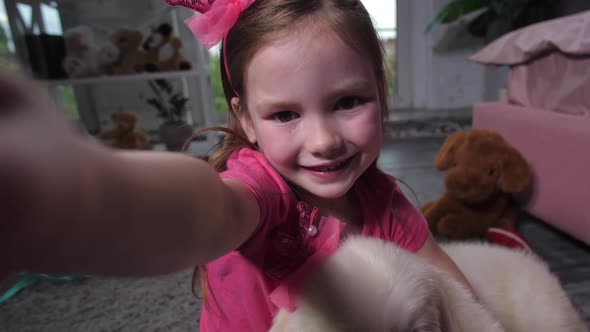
[[324, 139]]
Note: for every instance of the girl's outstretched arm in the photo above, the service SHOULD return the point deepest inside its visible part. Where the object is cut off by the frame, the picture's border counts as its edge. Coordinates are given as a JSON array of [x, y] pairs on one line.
[[68, 205]]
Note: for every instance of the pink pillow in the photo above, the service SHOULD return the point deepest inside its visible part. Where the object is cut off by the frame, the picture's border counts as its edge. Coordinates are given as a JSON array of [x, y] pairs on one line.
[[569, 35]]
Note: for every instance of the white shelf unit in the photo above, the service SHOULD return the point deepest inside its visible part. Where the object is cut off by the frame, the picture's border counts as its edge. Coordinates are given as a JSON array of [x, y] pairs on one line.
[[122, 78], [54, 85], [201, 147], [195, 84]]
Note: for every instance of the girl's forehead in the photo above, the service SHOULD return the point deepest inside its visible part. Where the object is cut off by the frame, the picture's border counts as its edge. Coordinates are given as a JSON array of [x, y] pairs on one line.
[[307, 36], [304, 47], [306, 67]]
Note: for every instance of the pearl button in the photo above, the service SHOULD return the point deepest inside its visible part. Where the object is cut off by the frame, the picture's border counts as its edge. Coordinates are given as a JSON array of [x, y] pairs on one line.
[[312, 230]]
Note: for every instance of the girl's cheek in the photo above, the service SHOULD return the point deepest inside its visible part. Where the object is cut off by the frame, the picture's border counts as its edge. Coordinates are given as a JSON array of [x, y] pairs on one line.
[[273, 135], [365, 127], [278, 144]]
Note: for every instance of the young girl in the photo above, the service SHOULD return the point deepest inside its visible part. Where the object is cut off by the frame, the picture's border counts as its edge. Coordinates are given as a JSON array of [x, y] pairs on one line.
[[305, 82]]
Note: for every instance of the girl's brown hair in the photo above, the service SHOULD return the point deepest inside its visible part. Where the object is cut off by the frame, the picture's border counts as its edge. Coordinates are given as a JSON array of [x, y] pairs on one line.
[[267, 21]]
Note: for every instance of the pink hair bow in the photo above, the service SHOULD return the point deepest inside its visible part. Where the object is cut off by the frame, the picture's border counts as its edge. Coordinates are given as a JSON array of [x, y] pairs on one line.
[[215, 20]]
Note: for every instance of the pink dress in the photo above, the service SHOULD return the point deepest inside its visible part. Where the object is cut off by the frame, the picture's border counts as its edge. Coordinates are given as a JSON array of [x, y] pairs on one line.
[[247, 286]]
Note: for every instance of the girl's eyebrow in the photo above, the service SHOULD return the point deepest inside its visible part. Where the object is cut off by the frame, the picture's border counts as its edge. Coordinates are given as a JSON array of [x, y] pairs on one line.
[[352, 85], [343, 87], [267, 103]]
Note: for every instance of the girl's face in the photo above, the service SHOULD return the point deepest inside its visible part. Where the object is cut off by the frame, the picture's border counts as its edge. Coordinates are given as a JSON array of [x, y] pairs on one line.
[[314, 111]]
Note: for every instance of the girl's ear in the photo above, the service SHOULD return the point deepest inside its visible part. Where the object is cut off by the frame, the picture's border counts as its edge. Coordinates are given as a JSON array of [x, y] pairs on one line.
[[245, 120]]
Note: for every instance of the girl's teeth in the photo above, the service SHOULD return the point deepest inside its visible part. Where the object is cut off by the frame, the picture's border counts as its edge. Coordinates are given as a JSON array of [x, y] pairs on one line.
[[330, 168]]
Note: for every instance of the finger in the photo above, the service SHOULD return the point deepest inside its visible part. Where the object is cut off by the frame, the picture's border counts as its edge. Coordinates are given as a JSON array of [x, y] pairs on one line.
[[20, 93]]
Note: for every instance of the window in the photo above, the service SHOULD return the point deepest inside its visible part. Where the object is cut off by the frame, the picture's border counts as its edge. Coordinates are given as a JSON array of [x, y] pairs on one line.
[[384, 13], [26, 14], [7, 48], [32, 18], [52, 26], [51, 19], [219, 97]]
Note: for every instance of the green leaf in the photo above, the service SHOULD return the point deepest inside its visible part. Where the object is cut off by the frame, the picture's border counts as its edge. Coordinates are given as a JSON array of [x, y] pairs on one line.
[[456, 9], [164, 85], [155, 89], [157, 105], [178, 103]]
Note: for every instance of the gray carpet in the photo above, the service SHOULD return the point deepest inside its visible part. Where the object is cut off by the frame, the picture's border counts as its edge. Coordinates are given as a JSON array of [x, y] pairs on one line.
[[567, 258], [100, 304]]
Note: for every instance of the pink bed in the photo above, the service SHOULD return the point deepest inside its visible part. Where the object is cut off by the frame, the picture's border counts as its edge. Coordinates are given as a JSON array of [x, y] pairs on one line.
[[547, 116], [557, 147]]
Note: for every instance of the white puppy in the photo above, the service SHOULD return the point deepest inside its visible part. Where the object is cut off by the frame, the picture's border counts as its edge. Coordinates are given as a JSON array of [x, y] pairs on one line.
[[371, 285]]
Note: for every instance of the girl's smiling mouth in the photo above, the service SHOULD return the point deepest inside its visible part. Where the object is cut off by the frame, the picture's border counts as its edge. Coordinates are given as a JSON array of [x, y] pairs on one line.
[[330, 167]]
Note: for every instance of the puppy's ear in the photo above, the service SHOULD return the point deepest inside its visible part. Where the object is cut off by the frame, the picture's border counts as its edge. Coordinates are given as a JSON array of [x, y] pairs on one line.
[[429, 321], [429, 316], [458, 310]]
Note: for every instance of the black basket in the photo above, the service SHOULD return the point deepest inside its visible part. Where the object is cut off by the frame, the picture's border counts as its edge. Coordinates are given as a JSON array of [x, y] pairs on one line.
[[46, 55]]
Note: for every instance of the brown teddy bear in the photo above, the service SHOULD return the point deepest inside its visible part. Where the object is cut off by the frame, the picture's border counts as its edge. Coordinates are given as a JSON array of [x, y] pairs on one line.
[[124, 135], [162, 50], [483, 171], [131, 58]]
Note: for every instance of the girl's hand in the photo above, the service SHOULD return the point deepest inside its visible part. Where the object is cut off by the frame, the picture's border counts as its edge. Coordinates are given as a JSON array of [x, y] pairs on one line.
[[30, 125], [38, 147], [71, 206]]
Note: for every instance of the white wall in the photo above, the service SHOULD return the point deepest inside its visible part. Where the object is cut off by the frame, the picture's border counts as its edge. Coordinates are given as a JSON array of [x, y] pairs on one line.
[[435, 68], [441, 76]]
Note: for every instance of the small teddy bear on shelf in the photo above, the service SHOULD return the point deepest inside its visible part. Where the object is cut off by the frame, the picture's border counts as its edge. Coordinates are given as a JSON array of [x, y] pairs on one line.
[[124, 135], [131, 59], [162, 50], [482, 172]]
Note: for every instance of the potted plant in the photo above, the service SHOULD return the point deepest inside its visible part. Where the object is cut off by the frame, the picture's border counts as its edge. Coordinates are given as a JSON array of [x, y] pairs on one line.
[[171, 106], [494, 18]]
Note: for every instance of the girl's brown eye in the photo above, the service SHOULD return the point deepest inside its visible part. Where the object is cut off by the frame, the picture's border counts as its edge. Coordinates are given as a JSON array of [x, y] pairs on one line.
[[348, 103], [285, 116], [491, 172]]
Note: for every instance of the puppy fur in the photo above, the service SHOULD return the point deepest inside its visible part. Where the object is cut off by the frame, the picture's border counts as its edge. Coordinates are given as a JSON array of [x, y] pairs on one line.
[[371, 285]]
